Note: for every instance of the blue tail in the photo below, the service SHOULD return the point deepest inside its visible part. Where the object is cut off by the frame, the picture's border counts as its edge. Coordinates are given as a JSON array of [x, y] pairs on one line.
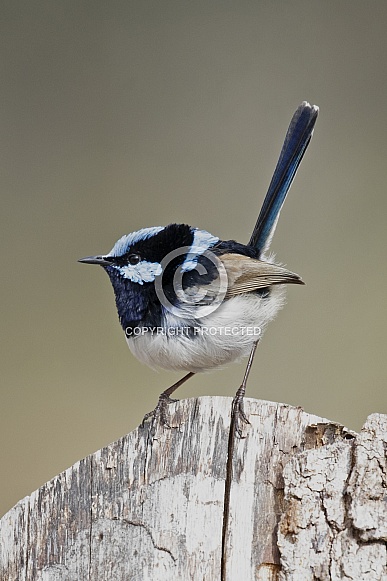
[[296, 141]]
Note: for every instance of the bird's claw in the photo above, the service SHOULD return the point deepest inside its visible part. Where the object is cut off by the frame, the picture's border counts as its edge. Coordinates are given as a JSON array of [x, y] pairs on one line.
[[159, 414], [238, 414]]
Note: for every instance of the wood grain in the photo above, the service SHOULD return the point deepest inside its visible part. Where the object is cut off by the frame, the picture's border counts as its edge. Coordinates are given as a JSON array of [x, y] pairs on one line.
[[307, 501]]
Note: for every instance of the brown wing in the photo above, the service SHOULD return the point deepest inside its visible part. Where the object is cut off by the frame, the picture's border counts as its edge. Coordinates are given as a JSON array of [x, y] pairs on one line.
[[248, 274]]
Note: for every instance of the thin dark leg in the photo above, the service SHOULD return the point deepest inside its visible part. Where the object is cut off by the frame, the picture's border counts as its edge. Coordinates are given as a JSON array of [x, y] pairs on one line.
[[165, 399], [238, 412]]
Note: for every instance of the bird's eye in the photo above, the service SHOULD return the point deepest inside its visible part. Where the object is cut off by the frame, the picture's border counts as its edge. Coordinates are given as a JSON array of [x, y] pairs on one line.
[[134, 259]]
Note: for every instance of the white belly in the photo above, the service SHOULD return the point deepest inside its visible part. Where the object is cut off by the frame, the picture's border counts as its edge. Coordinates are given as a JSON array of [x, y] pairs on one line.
[[225, 335]]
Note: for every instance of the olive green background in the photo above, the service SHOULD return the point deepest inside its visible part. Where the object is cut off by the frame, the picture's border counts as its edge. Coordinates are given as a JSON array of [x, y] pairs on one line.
[[121, 115]]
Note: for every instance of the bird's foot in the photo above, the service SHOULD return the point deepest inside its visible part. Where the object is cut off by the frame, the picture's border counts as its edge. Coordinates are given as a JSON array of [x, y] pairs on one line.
[[159, 414], [238, 414]]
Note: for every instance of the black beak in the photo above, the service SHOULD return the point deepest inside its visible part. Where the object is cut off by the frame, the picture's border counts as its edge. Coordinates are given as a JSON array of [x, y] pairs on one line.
[[101, 260]]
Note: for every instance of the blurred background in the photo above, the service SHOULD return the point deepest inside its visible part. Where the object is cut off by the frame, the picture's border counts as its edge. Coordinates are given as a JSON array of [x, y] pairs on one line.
[[125, 114]]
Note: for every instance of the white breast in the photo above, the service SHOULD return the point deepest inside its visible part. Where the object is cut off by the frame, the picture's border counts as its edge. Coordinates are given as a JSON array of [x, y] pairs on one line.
[[224, 336]]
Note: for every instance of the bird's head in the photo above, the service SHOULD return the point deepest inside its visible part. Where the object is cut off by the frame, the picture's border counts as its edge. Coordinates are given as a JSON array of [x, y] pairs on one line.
[[144, 263]]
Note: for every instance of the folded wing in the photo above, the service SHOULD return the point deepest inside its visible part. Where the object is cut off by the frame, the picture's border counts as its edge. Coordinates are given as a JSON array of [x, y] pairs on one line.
[[249, 274]]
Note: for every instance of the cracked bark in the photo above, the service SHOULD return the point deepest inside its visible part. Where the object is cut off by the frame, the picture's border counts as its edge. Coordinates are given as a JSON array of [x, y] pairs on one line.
[[334, 526], [307, 501]]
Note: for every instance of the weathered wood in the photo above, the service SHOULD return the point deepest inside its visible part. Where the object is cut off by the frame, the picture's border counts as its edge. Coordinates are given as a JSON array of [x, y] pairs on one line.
[[150, 506], [334, 526]]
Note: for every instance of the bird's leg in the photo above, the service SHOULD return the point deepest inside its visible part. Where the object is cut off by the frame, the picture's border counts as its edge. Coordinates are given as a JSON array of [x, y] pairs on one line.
[[165, 399], [238, 412]]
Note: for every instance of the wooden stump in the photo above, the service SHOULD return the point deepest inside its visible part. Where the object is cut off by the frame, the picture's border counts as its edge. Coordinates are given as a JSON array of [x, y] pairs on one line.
[[307, 501]]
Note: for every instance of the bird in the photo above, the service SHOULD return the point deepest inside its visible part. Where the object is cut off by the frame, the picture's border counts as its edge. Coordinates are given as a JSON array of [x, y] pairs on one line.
[[191, 302]]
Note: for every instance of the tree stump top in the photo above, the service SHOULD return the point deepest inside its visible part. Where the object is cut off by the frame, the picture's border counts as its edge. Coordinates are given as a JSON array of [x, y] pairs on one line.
[[306, 501]]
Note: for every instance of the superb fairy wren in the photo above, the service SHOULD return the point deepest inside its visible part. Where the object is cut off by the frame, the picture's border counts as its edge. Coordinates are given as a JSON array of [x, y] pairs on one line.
[[191, 302]]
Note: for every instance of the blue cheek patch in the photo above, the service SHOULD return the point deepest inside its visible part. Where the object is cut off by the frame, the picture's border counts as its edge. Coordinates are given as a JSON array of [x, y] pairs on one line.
[[142, 272]]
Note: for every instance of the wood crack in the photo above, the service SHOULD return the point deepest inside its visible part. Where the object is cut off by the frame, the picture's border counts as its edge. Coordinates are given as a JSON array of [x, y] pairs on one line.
[[91, 518], [147, 529], [227, 494], [28, 537]]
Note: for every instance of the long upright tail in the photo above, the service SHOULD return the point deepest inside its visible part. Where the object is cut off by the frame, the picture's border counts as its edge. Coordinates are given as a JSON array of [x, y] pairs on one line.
[[296, 141]]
